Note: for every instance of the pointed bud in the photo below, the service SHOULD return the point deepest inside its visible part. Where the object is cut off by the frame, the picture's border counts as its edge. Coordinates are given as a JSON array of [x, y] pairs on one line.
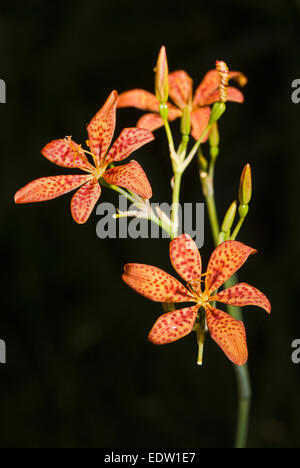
[[245, 191], [185, 121], [229, 217], [162, 76]]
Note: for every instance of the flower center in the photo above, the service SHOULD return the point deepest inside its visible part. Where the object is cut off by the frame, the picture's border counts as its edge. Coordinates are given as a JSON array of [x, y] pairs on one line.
[[195, 288]]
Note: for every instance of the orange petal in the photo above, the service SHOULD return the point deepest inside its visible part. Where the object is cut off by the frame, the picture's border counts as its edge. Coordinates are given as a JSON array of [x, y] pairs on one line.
[[208, 85], [102, 127], [48, 188], [61, 152], [225, 260], [173, 325], [185, 258], [129, 140], [233, 95], [155, 284], [180, 88], [84, 200], [239, 77], [229, 334], [140, 99], [150, 122], [243, 294], [130, 176], [199, 121]]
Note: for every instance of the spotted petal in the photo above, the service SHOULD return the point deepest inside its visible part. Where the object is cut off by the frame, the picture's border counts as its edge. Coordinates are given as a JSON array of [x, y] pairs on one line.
[[65, 153], [229, 334], [102, 127], [225, 260], [48, 188], [129, 140], [155, 284], [84, 200], [173, 325], [243, 294], [130, 176], [140, 99], [185, 258], [210, 84], [199, 121], [180, 88]]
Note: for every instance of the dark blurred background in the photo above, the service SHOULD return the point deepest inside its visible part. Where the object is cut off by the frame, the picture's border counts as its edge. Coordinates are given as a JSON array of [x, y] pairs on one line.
[[80, 371]]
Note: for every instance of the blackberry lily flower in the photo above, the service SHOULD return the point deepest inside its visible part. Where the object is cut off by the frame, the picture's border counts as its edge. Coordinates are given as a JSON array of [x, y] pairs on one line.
[[181, 93], [67, 153], [159, 286]]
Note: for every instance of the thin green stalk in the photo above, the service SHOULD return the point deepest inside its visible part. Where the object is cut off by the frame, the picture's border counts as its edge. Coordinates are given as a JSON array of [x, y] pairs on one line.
[[243, 383], [237, 229]]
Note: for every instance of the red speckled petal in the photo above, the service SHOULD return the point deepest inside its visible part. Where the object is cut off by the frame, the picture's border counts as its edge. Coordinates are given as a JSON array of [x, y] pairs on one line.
[[207, 92], [130, 176], [155, 284], [242, 295], [61, 152], [225, 260], [180, 88], [48, 188], [173, 325], [130, 140], [199, 121], [140, 99], [84, 200], [233, 95], [208, 85], [229, 334], [102, 127], [185, 258]]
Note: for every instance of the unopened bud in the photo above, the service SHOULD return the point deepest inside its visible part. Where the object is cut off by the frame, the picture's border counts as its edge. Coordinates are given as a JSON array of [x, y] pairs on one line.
[[162, 76], [229, 218], [245, 191]]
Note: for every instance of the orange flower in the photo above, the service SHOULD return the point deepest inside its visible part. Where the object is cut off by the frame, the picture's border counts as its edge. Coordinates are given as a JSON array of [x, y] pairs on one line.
[[159, 286], [66, 153], [181, 92]]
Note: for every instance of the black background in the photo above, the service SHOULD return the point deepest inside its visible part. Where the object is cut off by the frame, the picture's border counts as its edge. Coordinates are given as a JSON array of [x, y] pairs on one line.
[[80, 371]]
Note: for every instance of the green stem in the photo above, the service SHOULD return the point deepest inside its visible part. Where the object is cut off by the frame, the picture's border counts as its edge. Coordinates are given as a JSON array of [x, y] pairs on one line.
[[243, 383], [237, 229]]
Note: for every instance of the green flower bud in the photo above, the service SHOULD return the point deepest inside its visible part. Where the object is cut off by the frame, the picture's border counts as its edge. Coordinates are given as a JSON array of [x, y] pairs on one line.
[[229, 218], [162, 76], [245, 191]]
